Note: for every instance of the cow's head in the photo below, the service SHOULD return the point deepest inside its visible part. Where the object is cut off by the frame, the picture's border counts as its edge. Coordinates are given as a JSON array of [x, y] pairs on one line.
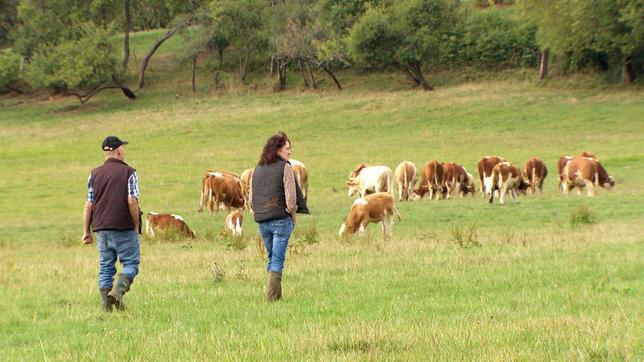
[[353, 185], [609, 184], [420, 192], [523, 186]]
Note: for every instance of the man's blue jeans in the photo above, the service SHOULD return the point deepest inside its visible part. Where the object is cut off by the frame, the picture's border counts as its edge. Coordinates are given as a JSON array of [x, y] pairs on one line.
[[112, 244], [275, 234]]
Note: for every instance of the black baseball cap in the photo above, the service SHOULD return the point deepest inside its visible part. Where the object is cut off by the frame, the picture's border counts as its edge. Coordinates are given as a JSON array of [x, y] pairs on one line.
[[111, 143]]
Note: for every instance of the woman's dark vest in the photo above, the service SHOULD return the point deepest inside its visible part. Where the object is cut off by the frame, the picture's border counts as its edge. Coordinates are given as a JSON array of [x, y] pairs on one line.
[[110, 209], [269, 202]]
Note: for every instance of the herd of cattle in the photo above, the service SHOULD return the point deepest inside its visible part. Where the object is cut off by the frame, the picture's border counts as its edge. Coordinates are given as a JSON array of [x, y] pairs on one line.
[[375, 188]]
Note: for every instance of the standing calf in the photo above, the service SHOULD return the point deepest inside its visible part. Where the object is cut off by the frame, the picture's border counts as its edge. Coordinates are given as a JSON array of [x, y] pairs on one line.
[[506, 178], [234, 223], [535, 172], [405, 178], [376, 208]]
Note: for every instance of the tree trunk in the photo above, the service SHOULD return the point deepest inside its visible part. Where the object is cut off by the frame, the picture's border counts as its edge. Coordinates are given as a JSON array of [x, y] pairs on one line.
[[627, 70], [313, 83], [272, 66], [415, 72], [221, 58], [156, 46], [194, 73], [329, 72], [543, 67], [243, 62], [306, 83], [281, 71], [126, 41]]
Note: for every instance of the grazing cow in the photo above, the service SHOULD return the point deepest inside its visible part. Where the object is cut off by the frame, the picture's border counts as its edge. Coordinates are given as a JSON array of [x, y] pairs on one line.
[[224, 190], [583, 172], [405, 178], [370, 179], [244, 180], [535, 171], [206, 192], [376, 208], [156, 221], [456, 177], [506, 178], [234, 223], [301, 176], [431, 180], [560, 167], [484, 167]]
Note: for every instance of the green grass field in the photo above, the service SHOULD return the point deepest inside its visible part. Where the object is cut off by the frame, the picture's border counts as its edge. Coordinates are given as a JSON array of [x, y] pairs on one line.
[[531, 283]]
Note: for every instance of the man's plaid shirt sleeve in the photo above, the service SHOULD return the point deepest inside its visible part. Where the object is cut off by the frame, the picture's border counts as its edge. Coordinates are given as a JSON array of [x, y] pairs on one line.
[[133, 186], [90, 189]]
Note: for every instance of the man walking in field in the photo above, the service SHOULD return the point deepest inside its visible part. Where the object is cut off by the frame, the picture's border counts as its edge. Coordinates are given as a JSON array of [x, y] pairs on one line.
[[112, 211]]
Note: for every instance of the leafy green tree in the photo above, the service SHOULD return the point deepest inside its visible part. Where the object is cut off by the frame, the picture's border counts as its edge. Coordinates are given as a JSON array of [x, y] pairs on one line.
[[8, 20], [600, 26], [77, 67], [407, 36], [244, 23]]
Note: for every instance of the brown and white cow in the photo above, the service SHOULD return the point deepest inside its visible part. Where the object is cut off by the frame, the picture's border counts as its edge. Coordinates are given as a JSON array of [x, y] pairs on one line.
[[244, 180], [224, 190], [167, 222], [431, 180], [376, 208], [484, 168], [506, 178], [587, 172], [206, 192], [366, 179], [234, 223], [301, 176], [560, 167], [405, 179], [535, 171], [456, 178]]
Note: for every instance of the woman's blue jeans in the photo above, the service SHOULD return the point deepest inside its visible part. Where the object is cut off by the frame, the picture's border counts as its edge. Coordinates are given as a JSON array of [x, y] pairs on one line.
[[275, 234], [113, 244]]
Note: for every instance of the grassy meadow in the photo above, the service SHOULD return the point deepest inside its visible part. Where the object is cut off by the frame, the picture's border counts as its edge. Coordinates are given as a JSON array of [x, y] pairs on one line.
[[548, 278]]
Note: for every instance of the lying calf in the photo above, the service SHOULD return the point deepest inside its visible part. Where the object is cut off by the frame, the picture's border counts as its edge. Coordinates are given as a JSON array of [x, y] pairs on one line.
[[167, 222]]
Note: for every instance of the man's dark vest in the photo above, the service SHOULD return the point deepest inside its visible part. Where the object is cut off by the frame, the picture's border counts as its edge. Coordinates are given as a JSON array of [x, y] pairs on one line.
[[269, 202], [110, 209]]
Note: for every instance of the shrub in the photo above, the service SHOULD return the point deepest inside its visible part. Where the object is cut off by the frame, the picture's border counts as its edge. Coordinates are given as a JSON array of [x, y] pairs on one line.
[[495, 37], [582, 215], [9, 68], [75, 65], [465, 237]]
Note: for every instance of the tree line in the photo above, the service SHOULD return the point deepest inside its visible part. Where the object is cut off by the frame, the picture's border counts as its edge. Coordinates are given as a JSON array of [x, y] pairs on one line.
[[68, 46]]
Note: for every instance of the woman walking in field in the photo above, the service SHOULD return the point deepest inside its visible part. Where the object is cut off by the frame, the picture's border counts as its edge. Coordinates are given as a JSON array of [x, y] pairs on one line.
[[274, 203]]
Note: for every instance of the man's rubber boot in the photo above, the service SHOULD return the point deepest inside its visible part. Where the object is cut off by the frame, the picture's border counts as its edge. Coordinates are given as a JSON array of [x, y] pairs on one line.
[[274, 287], [106, 301], [119, 289]]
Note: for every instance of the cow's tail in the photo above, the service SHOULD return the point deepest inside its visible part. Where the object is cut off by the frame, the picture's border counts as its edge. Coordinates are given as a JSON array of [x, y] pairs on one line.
[[534, 179], [390, 186], [148, 227], [397, 213], [201, 200], [405, 184]]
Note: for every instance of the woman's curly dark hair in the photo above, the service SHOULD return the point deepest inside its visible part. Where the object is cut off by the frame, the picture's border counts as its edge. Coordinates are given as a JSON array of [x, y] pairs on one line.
[[269, 154]]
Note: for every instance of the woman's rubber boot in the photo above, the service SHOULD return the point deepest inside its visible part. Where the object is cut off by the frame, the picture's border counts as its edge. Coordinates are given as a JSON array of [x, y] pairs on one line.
[[106, 301], [274, 287], [119, 289]]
